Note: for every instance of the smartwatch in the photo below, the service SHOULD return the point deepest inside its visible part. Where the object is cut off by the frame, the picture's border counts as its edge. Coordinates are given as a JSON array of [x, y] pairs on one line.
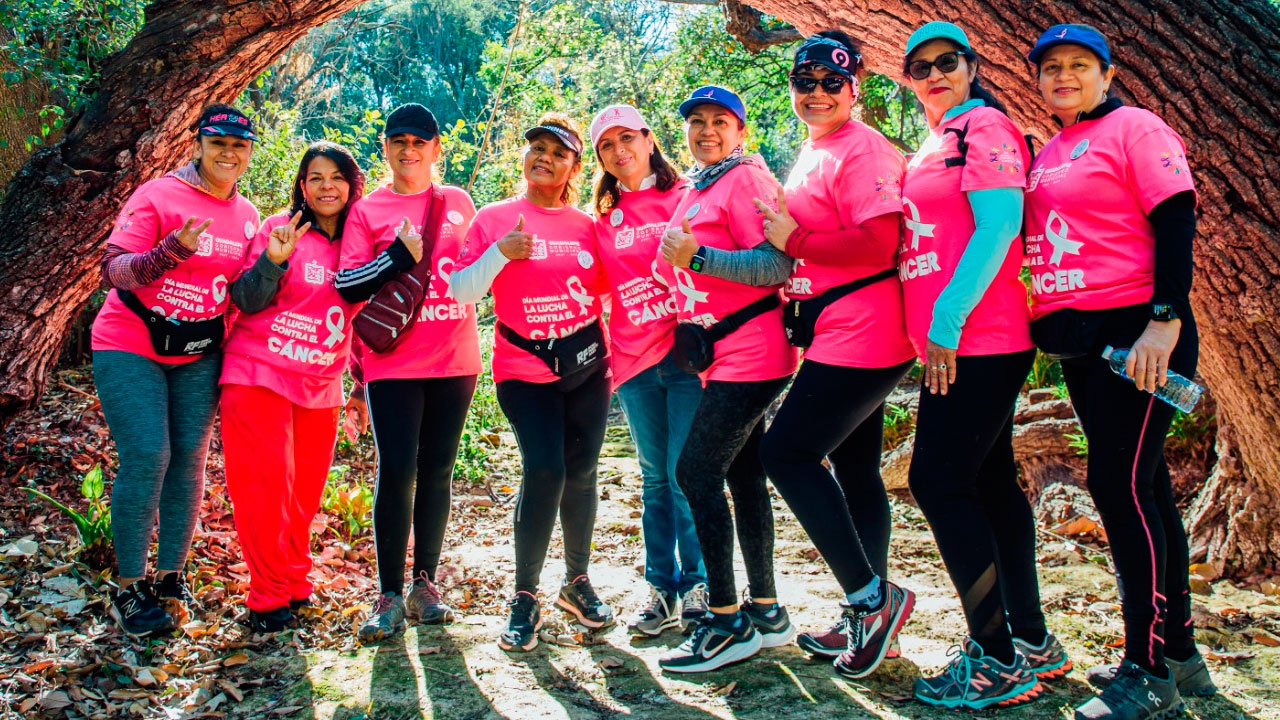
[[698, 260], [1163, 312]]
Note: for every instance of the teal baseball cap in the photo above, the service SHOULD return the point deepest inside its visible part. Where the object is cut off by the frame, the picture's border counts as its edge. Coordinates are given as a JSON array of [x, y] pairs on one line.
[[937, 30]]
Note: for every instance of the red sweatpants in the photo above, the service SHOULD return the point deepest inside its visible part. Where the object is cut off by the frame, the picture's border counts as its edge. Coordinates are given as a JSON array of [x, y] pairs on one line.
[[277, 457]]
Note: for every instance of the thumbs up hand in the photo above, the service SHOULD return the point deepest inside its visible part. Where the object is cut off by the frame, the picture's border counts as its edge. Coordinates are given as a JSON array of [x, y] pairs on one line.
[[412, 240], [678, 246], [517, 244], [778, 225]]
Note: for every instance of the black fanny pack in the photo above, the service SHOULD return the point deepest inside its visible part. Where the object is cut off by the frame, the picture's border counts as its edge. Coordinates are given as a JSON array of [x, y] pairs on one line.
[[801, 316], [565, 356], [695, 346], [1069, 333], [176, 338]]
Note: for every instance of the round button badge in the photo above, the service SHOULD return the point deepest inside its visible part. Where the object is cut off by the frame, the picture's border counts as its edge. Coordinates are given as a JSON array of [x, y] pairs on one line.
[[1080, 148], [248, 229], [454, 217], [585, 259], [693, 210], [615, 217]]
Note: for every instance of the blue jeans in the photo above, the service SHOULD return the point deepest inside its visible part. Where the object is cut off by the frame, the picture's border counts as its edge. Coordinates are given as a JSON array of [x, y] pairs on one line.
[[660, 403]]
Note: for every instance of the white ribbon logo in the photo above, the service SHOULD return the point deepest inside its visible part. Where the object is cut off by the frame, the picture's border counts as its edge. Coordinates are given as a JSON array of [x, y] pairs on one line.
[[684, 283], [334, 321], [579, 293], [914, 226], [653, 270], [219, 288], [444, 268], [1058, 239]]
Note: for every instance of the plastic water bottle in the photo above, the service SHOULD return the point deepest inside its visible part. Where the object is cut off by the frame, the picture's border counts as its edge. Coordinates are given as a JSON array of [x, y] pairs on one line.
[[1178, 391]]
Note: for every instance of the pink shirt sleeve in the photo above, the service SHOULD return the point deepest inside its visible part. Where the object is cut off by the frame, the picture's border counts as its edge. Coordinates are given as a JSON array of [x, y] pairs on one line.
[[870, 185], [357, 243], [476, 242], [997, 155], [1156, 164], [137, 228], [746, 222]]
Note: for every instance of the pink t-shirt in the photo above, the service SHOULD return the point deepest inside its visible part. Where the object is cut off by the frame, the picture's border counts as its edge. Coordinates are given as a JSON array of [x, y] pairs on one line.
[[197, 288], [723, 216], [298, 345], [939, 222], [643, 311], [554, 293], [444, 342], [1089, 242], [838, 182]]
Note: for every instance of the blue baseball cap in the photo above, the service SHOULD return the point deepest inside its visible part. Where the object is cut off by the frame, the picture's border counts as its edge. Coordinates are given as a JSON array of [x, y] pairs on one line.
[[714, 95], [937, 30], [1071, 34]]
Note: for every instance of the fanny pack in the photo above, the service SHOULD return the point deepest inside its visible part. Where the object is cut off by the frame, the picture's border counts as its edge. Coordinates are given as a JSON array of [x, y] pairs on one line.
[[1069, 333], [176, 338], [392, 311], [565, 356], [801, 316], [695, 346]]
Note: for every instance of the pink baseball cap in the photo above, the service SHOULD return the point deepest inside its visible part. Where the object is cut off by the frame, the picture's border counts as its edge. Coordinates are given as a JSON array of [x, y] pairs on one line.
[[616, 116]]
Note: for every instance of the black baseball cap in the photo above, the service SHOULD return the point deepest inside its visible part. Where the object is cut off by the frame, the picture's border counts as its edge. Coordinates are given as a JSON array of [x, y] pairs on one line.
[[223, 121], [414, 119]]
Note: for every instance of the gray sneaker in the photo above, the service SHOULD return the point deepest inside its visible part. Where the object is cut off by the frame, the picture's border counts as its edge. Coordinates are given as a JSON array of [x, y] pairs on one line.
[[1134, 694], [1191, 675], [693, 606], [386, 620], [661, 614], [424, 604]]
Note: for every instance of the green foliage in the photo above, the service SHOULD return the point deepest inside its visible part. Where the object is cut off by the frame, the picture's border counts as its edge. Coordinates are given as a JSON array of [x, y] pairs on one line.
[[1078, 442], [898, 425], [268, 182], [1045, 373], [484, 418], [1191, 433], [93, 526], [351, 502]]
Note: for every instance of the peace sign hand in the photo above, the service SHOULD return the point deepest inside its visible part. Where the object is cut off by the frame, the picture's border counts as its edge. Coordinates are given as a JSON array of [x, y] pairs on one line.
[[283, 239], [779, 225], [190, 234]]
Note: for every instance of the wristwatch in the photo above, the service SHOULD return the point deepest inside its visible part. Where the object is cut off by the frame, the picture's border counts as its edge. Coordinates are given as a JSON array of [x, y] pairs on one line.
[[698, 260], [1163, 312]]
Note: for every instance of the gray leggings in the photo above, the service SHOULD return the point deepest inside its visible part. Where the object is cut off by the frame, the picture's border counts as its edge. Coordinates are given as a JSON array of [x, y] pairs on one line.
[[161, 417]]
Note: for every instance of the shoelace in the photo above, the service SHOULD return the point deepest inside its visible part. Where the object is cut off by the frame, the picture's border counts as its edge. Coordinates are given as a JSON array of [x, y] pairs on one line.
[[1123, 686], [960, 669], [695, 640], [696, 596], [853, 630], [658, 604], [429, 590], [586, 592], [383, 604]]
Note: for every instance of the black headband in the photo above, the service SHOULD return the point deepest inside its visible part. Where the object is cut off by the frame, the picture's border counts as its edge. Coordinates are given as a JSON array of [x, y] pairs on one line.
[[571, 141], [829, 53]]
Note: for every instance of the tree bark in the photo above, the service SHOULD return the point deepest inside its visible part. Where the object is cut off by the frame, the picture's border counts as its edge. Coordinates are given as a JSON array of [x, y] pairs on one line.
[[1211, 69], [59, 207]]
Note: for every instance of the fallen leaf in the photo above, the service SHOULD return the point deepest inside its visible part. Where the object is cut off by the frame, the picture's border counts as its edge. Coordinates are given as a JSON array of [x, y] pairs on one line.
[[349, 611], [609, 661], [25, 547], [1261, 637], [429, 651], [1204, 570], [1229, 657], [287, 710], [725, 690], [1078, 525], [1268, 588], [231, 689], [1199, 585], [54, 700], [144, 678], [236, 659]]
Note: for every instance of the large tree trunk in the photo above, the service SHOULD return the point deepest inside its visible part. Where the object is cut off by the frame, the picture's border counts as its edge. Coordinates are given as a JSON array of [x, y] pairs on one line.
[[60, 206], [1211, 69]]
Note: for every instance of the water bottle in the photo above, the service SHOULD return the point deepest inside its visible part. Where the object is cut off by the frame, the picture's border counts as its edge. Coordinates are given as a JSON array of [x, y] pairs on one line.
[[1178, 391]]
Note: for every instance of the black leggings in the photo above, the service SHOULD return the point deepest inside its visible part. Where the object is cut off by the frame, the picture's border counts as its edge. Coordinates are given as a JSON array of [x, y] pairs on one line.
[[560, 428], [1129, 482], [724, 446], [417, 424], [964, 477], [836, 413]]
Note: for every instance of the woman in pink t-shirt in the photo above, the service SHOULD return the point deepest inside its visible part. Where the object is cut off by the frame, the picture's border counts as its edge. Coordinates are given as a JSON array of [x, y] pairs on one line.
[[840, 219], [178, 243], [636, 194], [966, 312], [418, 392], [282, 381], [1116, 270], [536, 252], [727, 279]]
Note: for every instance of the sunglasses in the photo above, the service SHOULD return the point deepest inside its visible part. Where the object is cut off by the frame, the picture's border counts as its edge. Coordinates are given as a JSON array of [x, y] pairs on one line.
[[946, 62], [831, 84]]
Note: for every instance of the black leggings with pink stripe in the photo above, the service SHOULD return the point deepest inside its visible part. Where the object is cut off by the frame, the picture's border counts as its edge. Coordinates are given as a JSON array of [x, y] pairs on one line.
[[1129, 482]]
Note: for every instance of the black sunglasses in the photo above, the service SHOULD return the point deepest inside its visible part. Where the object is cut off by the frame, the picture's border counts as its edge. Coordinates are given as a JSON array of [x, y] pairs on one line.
[[831, 84], [946, 62]]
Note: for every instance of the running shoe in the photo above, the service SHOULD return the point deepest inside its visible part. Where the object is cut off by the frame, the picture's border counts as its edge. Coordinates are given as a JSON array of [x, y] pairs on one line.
[[693, 608], [661, 614], [424, 604], [270, 621], [579, 599], [386, 620], [522, 624], [830, 643], [1048, 660], [1191, 675], [870, 633], [1134, 694], [717, 641], [771, 621], [299, 604], [973, 681], [138, 611]]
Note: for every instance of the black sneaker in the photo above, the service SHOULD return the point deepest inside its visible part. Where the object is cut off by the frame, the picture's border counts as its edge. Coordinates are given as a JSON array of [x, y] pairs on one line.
[[1134, 694], [771, 621], [717, 641], [579, 599], [138, 611], [270, 621], [173, 586], [522, 623], [1191, 675], [296, 605]]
